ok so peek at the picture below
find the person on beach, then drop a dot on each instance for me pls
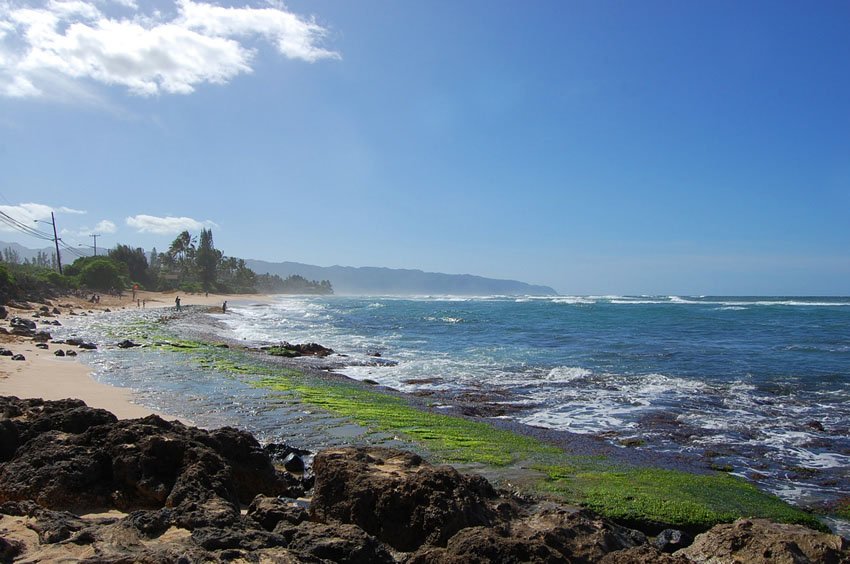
(177, 302)
(224, 307)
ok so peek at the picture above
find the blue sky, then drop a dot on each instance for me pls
(597, 147)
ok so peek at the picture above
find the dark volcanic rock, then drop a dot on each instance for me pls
(484, 544)
(127, 344)
(269, 511)
(183, 487)
(69, 456)
(671, 540)
(41, 337)
(334, 543)
(18, 357)
(20, 322)
(397, 497)
(762, 541)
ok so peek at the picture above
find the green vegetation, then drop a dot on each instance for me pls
(295, 284)
(453, 439)
(186, 266)
(695, 502)
(283, 351)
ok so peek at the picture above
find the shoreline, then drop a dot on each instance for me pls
(46, 376)
(342, 405)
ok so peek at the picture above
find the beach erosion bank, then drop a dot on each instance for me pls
(326, 393)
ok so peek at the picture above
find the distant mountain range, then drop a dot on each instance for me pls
(370, 280)
(367, 280)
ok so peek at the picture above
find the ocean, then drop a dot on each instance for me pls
(756, 386)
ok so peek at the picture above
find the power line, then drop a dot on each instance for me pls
(23, 228)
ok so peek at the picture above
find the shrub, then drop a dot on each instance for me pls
(101, 274)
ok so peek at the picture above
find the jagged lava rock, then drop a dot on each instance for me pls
(761, 541)
(397, 497)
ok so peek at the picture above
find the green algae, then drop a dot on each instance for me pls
(282, 351)
(695, 502)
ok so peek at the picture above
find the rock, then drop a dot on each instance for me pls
(19, 305)
(307, 349)
(279, 451)
(4, 313)
(339, 543)
(60, 352)
(41, 337)
(56, 311)
(70, 353)
(483, 544)
(56, 323)
(88, 346)
(51, 526)
(815, 425)
(20, 322)
(642, 554)
(540, 533)
(22, 327)
(44, 309)
(294, 463)
(19, 357)
(269, 511)
(762, 541)
(397, 497)
(671, 540)
(72, 456)
(42, 346)
(10, 549)
(127, 344)
(6, 352)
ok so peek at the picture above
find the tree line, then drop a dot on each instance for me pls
(190, 264)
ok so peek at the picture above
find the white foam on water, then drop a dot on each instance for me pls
(574, 300)
(566, 374)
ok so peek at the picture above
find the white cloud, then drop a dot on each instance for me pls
(166, 225)
(145, 53)
(29, 213)
(63, 209)
(105, 226)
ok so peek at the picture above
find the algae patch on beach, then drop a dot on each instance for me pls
(452, 439)
(633, 494)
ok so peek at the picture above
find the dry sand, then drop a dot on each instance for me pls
(44, 375)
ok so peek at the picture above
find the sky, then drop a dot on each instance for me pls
(598, 147)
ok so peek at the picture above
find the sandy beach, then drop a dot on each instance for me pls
(44, 375)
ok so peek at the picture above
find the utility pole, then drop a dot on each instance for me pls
(56, 242)
(95, 243)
